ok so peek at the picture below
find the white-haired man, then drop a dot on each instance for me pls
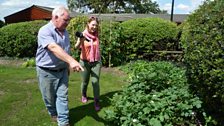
(53, 64)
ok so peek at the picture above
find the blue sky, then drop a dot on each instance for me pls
(8, 7)
(180, 6)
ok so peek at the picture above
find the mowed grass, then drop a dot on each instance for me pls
(21, 102)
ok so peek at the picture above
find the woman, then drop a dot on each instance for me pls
(90, 60)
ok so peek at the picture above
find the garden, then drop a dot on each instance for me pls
(142, 84)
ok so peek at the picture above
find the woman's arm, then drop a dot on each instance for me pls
(78, 43)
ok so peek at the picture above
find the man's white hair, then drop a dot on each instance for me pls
(59, 11)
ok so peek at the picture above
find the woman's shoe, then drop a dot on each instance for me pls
(84, 99)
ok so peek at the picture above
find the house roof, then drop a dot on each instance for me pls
(45, 8)
(178, 18)
(42, 7)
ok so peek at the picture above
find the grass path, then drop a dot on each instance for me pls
(21, 103)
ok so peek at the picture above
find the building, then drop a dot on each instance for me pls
(177, 18)
(29, 14)
(36, 12)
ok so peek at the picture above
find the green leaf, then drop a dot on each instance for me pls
(155, 122)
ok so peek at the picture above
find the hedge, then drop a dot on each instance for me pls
(20, 39)
(203, 44)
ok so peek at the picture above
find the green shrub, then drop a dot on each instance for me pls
(143, 35)
(76, 24)
(19, 39)
(110, 38)
(160, 75)
(29, 63)
(203, 44)
(157, 95)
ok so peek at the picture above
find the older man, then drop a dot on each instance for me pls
(53, 64)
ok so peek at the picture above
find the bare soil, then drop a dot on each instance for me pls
(19, 62)
(11, 61)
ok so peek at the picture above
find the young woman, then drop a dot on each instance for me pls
(90, 60)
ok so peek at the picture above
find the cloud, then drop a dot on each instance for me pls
(19, 3)
(195, 4)
(167, 7)
(183, 7)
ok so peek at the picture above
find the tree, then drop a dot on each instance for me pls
(76, 5)
(115, 6)
(1, 23)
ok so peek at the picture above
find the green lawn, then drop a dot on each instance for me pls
(21, 103)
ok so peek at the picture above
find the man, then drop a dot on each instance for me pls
(53, 64)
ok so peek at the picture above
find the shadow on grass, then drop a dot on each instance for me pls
(78, 113)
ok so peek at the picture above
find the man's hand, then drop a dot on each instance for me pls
(75, 66)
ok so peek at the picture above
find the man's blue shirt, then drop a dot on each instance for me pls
(44, 57)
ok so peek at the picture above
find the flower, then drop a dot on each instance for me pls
(134, 120)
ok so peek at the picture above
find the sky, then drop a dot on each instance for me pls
(8, 7)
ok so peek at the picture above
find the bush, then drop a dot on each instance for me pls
(111, 48)
(76, 24)
(157, 95)
(143, 35)
(29, 63)
(20, 39)
(203, 44)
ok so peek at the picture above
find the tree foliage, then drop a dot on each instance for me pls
(1, 23)
(115, 6)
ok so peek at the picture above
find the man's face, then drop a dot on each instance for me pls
(62, 21)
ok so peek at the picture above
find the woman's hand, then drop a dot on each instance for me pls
(79, 42)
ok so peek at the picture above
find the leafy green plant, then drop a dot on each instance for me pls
(158, 95)
(29, 63)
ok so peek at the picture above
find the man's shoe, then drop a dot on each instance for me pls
(54, 118)
(84, 99)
